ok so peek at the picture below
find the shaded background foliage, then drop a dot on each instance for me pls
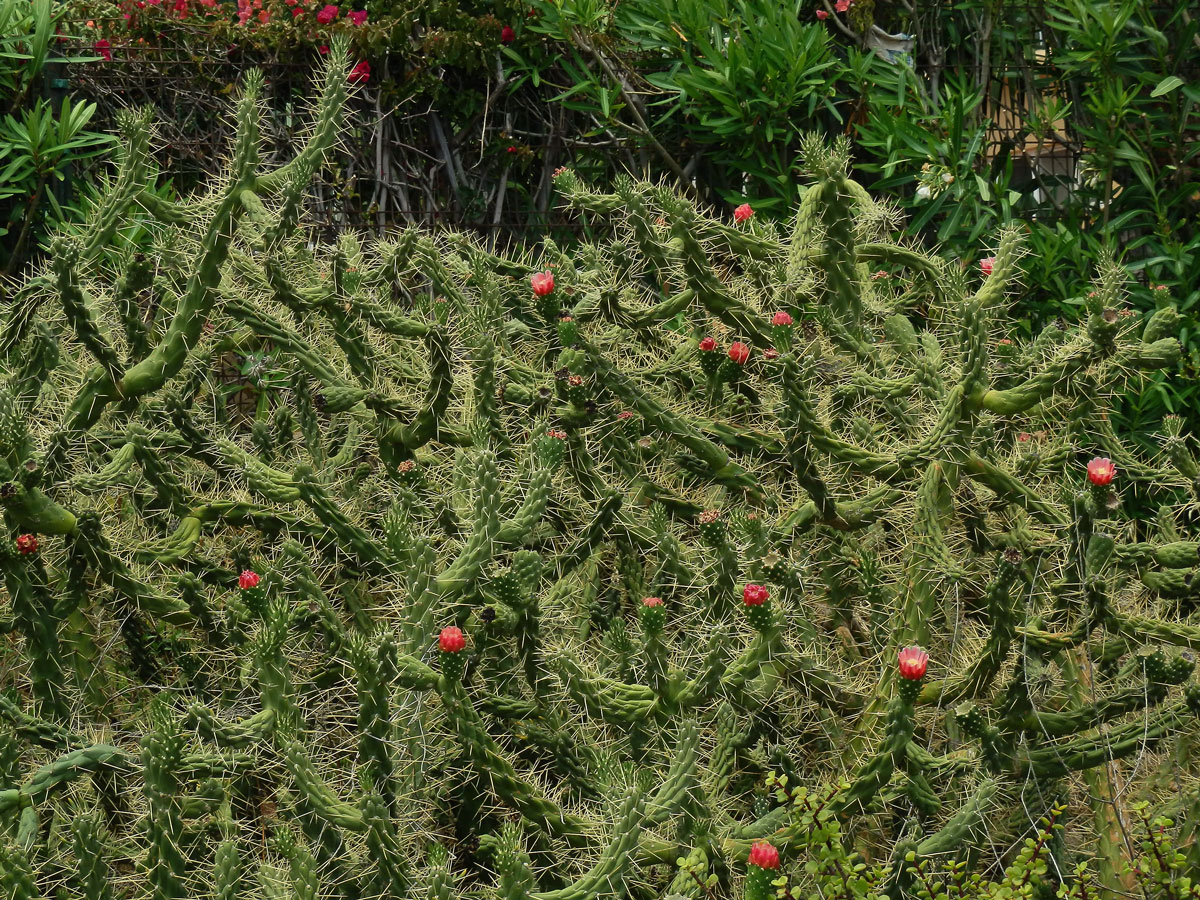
(1076, 118)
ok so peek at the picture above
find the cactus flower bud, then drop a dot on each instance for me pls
(781, 330)
(26, 544)
(758, 612)
(913, 661)
(710, 359)
(764, 855)
(1101, 471)
(248, 579)
(653, 615)
(451, 643)
(760, 871)
(542, 282)
(568, 331)
(739, 352)
(755, 595)
(742, 213)
(986, 265)
(451, 640)
(711, 528)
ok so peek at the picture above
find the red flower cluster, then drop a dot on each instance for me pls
(248, 579)
(742, 213)
(26, 544)
(507, 35)
(555, 433)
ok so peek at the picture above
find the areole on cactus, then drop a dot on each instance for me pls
(436, 449)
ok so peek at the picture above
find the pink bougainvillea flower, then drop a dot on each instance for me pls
(361, 72)
(104, 48)
(507, 35)
(913, 661)
(822, 15)
(358, 17)
(1101, 471)
(742, 213)
(842, 5)
(327, 14)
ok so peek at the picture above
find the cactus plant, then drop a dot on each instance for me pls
(453, 609)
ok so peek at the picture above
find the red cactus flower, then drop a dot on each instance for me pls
(652, 601)
(781, 318)
(755, 595)
(764, 855)
(451, 640)
(739, 352)
(624, 415)
(327, 14)
(986, 265)
(1101, 471)
(507, 35)
(542, 282)
(26, 544)
(555, 433)
(708, 345)
(913, 661)
(1024, 437)
(248, 579)
(822, 15)
(358, 17)
(771, 353)
(104, 48)
(742, 213)
(361, 72)
(323, 49)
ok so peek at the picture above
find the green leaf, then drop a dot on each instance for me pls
(1167, 85)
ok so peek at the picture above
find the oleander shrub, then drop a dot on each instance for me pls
(711, 555)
